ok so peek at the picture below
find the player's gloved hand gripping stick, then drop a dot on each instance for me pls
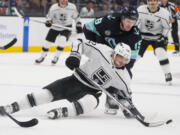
(132, 109)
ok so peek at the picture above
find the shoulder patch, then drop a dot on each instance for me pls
(136, 31)
(107, 32)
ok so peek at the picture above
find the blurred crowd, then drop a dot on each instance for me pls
(87, 8)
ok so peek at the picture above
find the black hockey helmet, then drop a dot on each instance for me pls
(129, 12)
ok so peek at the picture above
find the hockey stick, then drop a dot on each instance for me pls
(37, 21)
(55, 25)
(132, 110)
(29, 123)
(11, 43)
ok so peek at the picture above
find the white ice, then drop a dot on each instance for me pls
(19, 76)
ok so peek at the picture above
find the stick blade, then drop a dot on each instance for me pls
(11, 43)
(29, 123)
(160, 123)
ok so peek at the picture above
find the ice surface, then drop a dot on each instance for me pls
(19, 76)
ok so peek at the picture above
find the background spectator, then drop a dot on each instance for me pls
(114, 6)
(19, 5)
(87, 7)
(141, 3)
(125, 3)
(133, 2)
(34, 8)
(88, 11)
(103, 10)
(2, 11)
(3, 7)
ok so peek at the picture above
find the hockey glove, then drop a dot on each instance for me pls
(163, 40)
(122, 97)
(119, 94)
(73, 61)
(79, 27)
(48, 23)
(2, 110)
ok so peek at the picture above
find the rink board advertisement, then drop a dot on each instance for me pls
(31, 35)
(11, 27)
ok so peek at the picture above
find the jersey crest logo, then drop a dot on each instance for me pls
(107, 32)
(149, 24)
(101, 76)
(61, 17)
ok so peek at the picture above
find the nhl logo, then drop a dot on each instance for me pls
(107, 32)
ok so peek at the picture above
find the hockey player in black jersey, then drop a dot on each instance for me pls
(171, 7)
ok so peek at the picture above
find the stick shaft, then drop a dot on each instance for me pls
(38, 21)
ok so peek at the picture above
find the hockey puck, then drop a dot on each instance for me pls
(169, 121)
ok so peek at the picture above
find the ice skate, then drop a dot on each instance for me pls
(168, 78)
(14, 107)
(39, 60)
(55, 60)
(110, 107)
(176, 53)
(57, 113)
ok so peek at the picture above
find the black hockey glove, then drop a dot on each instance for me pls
(119, 94)
(73, 62)
(48, 23)
(2, 109)
(163, 40)
(79, 27)
(123, 98)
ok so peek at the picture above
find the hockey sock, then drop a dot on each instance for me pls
(59, 50)
(84, 105)
(45, 48)
(34, 99)
(163, 59)
(62, 40)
